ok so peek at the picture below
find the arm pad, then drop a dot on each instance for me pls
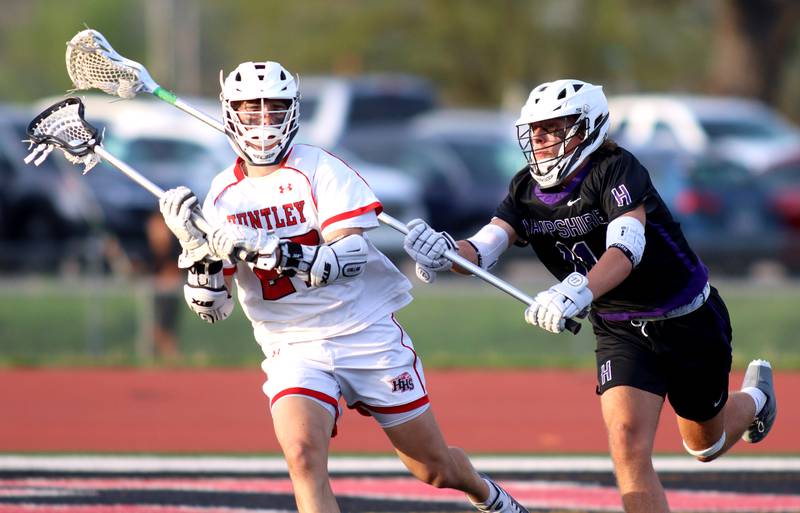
(489, 243)
(626, 234)
(342, 259)
(205, 292)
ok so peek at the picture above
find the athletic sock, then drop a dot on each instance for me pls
(759, 397)
(493, 493)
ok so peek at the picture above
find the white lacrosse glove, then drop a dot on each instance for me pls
(176, 207)
(260, 245)
(552, 307)
(427, 246)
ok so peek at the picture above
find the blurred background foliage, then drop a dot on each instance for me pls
(477, 53)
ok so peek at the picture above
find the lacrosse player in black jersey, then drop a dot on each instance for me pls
(588, 209)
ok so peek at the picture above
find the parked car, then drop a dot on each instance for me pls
(334, 108)
(44, 210)
(463, 160)
(722, 207)
(782, 182)
(738, 129)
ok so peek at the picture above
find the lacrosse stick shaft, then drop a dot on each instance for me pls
(488, 277)
(172, 99)
(158, 192)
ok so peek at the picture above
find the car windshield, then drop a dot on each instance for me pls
(489, 161)
(383, 108)
(308, 109)
(751, 129)
(785, 176)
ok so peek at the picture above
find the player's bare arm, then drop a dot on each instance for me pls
(342, 233)
(615, 265)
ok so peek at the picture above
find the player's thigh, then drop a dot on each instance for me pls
(302, 424)
(631, 418)
(381, 375)
(626, 356)
(699, 363)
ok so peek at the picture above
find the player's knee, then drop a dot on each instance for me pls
(436, 473)
(303, 458)
(708, 454)
(628, 443)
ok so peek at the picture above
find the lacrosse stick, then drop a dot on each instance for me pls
(62, 126)
(93, 63)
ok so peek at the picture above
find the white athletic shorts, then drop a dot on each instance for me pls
(376, 371)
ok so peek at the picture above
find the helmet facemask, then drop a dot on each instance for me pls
(575, 115)
(261, 110)
(572, 128)
(261, 128)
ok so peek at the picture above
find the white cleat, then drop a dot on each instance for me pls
(504, 503)
(759, 375)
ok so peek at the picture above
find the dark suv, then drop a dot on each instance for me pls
(45, 209)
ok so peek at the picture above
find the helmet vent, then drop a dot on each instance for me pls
(562, 94)
(283, 75)
(577, 87)
(238, 77)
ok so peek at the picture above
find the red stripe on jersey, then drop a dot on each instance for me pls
(229, 271)
(340, 159)
(376, 206)
(238, 173)
(364, 409)
(310, 189)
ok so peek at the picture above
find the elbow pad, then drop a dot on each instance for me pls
(627, 234)
(343, 259)
(205, 292)
(489, 243)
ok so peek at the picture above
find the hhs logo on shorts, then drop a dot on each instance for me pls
(402, 383)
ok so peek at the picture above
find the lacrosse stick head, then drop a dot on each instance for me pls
(93, 63)
(62, 126)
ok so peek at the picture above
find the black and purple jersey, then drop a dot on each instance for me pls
(566, 227)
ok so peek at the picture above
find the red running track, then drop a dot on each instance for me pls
(224, 411)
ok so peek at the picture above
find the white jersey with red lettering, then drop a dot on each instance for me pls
(312, 194)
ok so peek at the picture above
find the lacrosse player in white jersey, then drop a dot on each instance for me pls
(320, 297)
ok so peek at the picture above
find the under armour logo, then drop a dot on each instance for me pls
(288, 187)
(621, 195)
(605, 372)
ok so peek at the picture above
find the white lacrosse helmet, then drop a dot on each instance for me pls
(261, 143)
(561, 99)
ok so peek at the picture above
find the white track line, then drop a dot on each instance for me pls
(373, 465)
